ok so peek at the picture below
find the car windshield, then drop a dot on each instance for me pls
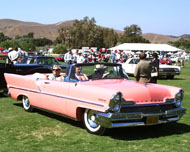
(97, 71)
(40, 60)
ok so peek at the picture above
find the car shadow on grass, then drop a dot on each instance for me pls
(164, 78)
(145, 132)
(55, 116)
(127, 133)
(2, 95)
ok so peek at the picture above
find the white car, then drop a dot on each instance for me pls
(164, 70)
(174, 59)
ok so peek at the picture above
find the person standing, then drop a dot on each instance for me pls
(143, 69)
(68, 57)
(75, 56)
(86, 58)
(112, 56)
(13, 55)
(80, 57)
(155, 68)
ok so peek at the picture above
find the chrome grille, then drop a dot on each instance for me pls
(169, 70)
(157, 108)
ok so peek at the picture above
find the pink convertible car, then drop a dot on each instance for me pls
(107, 98)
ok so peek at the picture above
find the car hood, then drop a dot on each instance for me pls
(140, 93)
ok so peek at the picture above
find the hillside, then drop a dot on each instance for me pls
(13, 28)
(157, 38)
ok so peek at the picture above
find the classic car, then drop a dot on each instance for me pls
(60, 58)
(169, 71)
(28, 65)
(105, 100)
(166, 60)
(174, 59)
(2, 55)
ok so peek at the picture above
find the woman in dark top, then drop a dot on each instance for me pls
(155, 68)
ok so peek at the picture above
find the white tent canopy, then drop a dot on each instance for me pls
(145, 47)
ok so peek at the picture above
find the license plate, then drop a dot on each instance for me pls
(152, 120)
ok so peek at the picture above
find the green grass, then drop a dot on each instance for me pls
(39, 131)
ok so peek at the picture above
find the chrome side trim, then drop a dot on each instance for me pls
(59, 96)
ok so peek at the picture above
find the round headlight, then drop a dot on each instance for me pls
(179, 98)
(115, 102)
(116, 108)
(176, 70)
(116, 98)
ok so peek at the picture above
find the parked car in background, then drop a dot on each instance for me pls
(60, 58)
(174, 59)
(105, 99)
(166, 60)
(28, 65)
(168, 71)
(3, 55)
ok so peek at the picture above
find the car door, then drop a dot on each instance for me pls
(131, 66)
(54, 95)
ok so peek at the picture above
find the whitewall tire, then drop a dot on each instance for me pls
(90, 123)
(26, 104)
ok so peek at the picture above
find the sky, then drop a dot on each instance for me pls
(167, 17)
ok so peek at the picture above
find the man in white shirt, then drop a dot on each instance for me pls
(80, 57)
(68, 57)
(13, 55)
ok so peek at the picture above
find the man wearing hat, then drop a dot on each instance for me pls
(80, 57)
(98, 72)
(13, 55)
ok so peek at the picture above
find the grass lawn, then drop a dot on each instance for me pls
(40, 131)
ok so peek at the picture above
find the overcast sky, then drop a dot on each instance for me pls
(167, 17)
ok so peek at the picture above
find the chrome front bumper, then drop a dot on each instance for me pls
(114, 120)
(168, 73)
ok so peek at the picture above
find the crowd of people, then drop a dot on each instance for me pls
(86, 57)
(14, 54)
(92, 57)
(145, 71)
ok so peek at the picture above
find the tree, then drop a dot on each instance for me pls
(28, 46)
(110, 37)
(132, 30)
(132, 34)
(5, 44)
(3, 37)
(182, 44)
(60, 49)
(64, 35)
(29, 35)
(86, 33)
(42, 42)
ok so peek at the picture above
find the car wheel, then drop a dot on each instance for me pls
(26, 104)
(170, 76)
(90, 123)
